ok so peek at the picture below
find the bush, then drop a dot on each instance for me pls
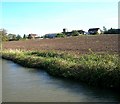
(75, 33)
(60, 35)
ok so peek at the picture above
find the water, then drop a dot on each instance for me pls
(29, 85)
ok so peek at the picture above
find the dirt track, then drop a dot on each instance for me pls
(81, 44)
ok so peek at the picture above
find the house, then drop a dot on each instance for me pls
(65, 32)
(70, 33)
(81, 31)
(51, 35)
(94, 31)
(32, 36)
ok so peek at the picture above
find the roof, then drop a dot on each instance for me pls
(93, 29)
(80, 30)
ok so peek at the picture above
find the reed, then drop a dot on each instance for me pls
(101, 70)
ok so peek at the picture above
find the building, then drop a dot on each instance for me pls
(65, 32)
(94, 31)
(32, 36)
(51, 35)
(70, 33)
(81, 31)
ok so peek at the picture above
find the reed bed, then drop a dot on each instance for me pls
(100, 70)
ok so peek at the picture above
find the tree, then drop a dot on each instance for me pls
(11, 37)
(29, 36)
(104, 29)
(14, 37)
(18, 37)
(3, 34)
(112, 31)
(60, 35)
(3, 31)
(75, 33)
(24, 36)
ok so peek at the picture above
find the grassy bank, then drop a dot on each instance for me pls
(101, 70)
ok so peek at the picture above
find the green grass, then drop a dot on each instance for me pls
(101, 70)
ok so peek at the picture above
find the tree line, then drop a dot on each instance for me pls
(13, 37)
(111, 31)
(10, 37)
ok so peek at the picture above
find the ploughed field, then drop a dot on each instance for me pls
(100, 70)
(80, 44)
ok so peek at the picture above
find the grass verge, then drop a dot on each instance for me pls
(100, 70)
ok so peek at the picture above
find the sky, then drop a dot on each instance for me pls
(51, 17)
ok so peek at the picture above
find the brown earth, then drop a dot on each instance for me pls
(79, 44)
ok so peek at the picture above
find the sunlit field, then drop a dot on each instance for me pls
(90, 59)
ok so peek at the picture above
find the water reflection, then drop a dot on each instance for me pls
(29, 85)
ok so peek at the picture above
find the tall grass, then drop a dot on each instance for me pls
(101, 70)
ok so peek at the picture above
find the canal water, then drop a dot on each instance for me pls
(22, 84)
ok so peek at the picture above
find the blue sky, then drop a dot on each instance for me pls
(51, 17)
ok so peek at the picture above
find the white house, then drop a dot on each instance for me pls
(94, 31)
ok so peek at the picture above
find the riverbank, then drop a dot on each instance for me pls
(100, 70)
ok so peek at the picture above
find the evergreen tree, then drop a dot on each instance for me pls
(24, 36)
(18, 37)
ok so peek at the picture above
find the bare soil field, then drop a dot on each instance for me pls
(79, 44)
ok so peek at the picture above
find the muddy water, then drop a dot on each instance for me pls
(29, 85)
